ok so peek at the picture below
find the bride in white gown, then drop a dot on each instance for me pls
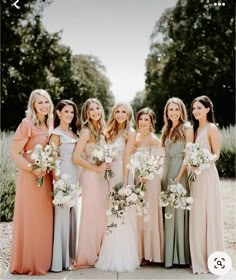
(119, 251)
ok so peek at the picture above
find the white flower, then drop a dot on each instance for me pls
(168, 215)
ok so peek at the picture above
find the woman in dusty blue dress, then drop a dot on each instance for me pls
(175, 135)
(65, 220)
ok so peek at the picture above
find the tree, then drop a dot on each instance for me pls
(89, 72)
(189, 61)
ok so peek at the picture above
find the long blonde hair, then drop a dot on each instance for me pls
(178, 132)
(112, 124)
(86, 121)
(31, 112)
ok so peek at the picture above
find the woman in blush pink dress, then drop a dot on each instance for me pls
(33, 213)
(94, 187)
(119, 252)
(206, 221)
(150, 233)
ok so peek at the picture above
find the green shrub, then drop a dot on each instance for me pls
(226, 163)
(7, 179)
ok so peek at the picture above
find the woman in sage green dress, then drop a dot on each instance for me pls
(175, 135)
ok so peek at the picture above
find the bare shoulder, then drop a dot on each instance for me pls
(155, 141)
(213, 129)
(131, 131)
(84, 133)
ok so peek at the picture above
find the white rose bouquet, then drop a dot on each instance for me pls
(104, 153)
(145, 166)
(64, 192)
(176, 197)
(122, 198)
(46, 159)
(198, 157)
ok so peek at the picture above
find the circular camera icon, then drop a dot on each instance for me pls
(219, 263)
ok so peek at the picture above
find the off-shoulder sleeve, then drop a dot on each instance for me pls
(24, 130)
(59, 133)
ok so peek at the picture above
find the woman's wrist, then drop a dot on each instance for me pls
(30, 167)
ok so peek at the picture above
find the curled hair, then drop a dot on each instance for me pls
(74, 125)
(151, 114)
(112, 124)
(178, 132)
(31, 112)
(207, 103)
(86, 121)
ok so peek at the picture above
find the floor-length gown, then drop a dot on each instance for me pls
(176, 228)
(33, 213)
(65, 218)
(150, 233)
(93, 220)
(119, 251)
(206, 221)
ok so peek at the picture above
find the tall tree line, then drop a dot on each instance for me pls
(192, 53)
(34, 58)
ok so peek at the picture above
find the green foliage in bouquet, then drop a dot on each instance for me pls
(7, 179)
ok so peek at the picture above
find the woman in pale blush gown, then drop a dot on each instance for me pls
(206, 221)
(177, 132)
(150, 233)
(95, 189)
(119, 252)
(64, 135)
(31, 251)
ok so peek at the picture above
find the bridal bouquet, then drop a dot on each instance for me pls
(145, 166)
(64, 192)
(176, 197)
(46, 159)
(104, 153)
(122, 198)
(199, 157)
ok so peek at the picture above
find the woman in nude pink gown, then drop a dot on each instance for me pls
(94, 187)
(33, 213)
(150, 233)
(206, 221)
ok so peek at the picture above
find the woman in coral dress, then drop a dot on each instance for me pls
(65, 218)
(94, 187)
(177, 132)
(33, 213)
(119, 251)
(150, 233)
(206, 219)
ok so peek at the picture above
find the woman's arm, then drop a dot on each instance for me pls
(127, 154)
(78, 151)
(215, 140)
(189, 136)
(17, 148)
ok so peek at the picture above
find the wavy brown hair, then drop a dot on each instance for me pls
(112, 124)
(178, 132)
(74, 125)
(150, 113)
(95, 133)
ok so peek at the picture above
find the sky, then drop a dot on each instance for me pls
(116, 31)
